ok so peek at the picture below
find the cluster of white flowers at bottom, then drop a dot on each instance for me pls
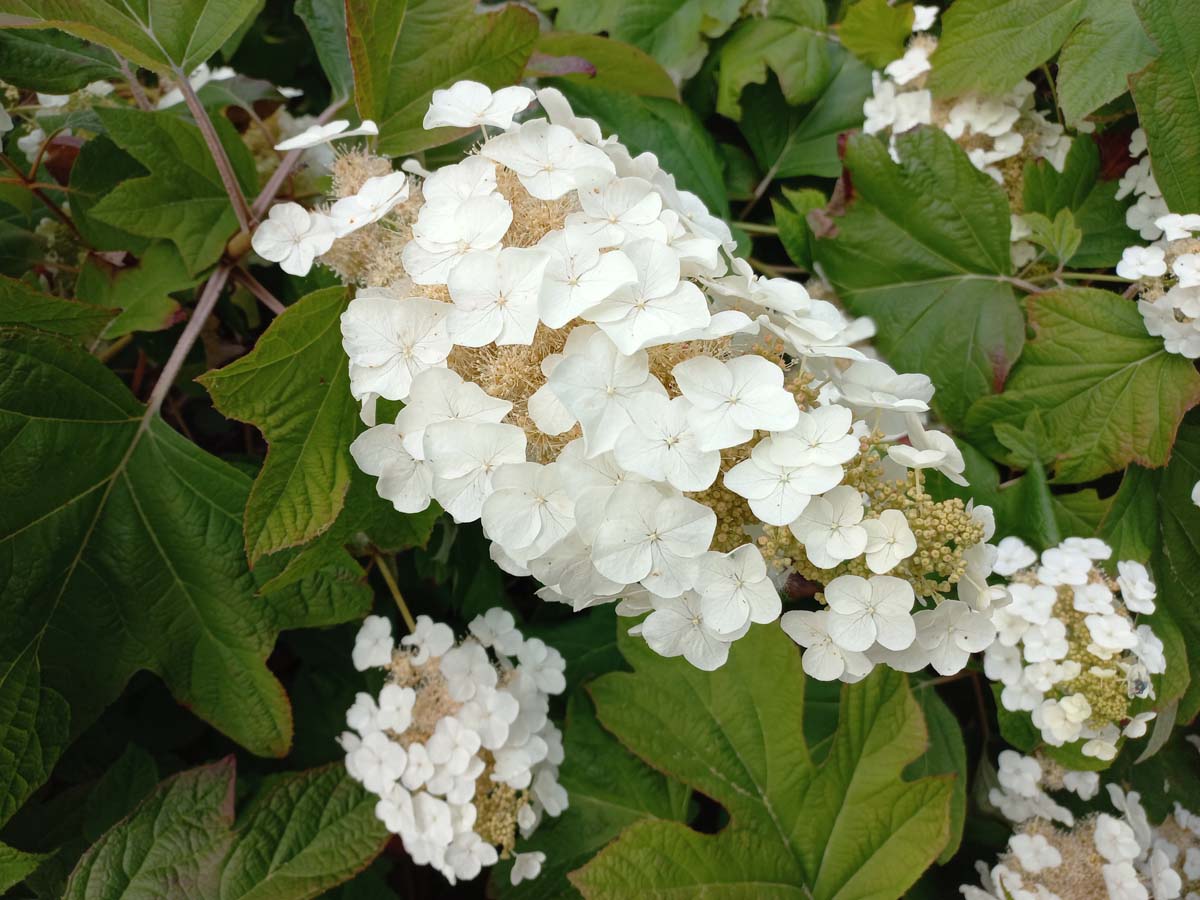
(1122, 857)
(1068, 649)
(634, 415)
(458, 745)
(1167, 271)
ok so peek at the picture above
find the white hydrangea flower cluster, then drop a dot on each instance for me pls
(1121, 857)
(633, 414)
(1068, 649)
(992, 130)
(1167, 271)
(458, 745)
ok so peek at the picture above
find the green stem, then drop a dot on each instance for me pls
(396, 595)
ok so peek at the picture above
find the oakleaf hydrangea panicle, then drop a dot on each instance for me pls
(457, 745)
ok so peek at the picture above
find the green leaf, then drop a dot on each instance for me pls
(790, 218)
(1167, 96)
(129, 557)
(304, 833)
(610, 789)
(17, 865)
(1108, 392)
(53, 62)
(586, 639)
(326, 24)
(142, 289)
(619, 66)
(1130, 524)
(1097, 211)
(1177, 558)
(19, 249)
(875, 32)
(670, 130)
(797, 52)
(125, 784)
(1061, 237)
(990, 45)
(851, 827)
(21, 304)
(294, 387)
(1106, 47)
(182, 198)
(672, 31)
(157, 34)
(100, 167)
(922, 249)
(402, 52)
(947, 754)
(789, 141)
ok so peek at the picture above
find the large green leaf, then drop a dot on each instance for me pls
(669, 130)
(1094, 205)
(303, 834)
(789, 141)
(21, 304)
(326, 24)
(609, 790)
(796, 50)
(17, 865)
(875, 31)
(157, 34)
(850, 827)
(141, 289)
(1107, 46)
(1108, 393)
(618, 66)
(122, 551)
(923, 249)
(99, 168)
(1167, 95)
(672, 31)
(402, 52)
(990, 45)
(53, 62)
(295, 388)
(1177, 558)
(182, 198)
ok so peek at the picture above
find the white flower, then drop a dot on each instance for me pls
(1033, 603)
(1014, 554)
(441, 395)
(1137, 589)
(924, 17)
(656, 304)
(1085, 785)
(395, 708)
(1115, 840)
(545, 157)
(544, 665)
(496, 296)
(403, 479)
(1064, 566)
(578, 276)
(321, 134)
(1093, 597)
(465, 668)
(1034, 852)
(390, 341)
(1137, 726)
(951, 632)
(597, 384)
(468, 104)
(889, 541)
(464, 456)
(447, 231)
(1186, 269)
(661, 444)
(822, 437)
(529, 510)
(1061, 721)
(430, 639)
(380, 761)
(863, 612)
(677, 627)
(734, 589)
(526, 866)
(293, 237)
(489, 713)
(1093, 548)
(1150, 650)
(1020, 774)
(497, 629)
(466, 856)
(1142, 262)
(450, 185)
(829, 527)
(559, 111)
(653, 539)
(1110, 633)
(732, 399)
(929, 450)
(1195, 495)
(877, 393)
(374, 200)
(1046, 642)
(373, 645)
(779, 493)
(913, 63)
(1164, 880)
(823, 659)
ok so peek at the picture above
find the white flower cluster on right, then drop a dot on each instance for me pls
(1120, 857)
(458, 745)
(1167, 270)
(1068, 649)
